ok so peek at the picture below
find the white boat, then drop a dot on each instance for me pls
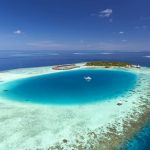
(138, 66)
(88, 78)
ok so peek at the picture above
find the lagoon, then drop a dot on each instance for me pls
(70, 87)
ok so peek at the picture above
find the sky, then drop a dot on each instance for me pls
(75, 25)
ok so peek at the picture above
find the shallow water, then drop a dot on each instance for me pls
(70, 87)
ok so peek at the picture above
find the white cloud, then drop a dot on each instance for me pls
(18, 32)
(105, 13)
(121, 32)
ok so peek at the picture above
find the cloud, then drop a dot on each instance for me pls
(121, 32)
(147, 56)
(143, 27)
(105, 13)
(124, 40)
(18, 32)
(45, 44)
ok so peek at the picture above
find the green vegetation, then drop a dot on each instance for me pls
(108, 64)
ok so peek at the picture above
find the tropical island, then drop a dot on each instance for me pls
(108, 64)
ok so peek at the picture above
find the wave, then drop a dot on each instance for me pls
(106, 53)
(92, 53)
(147, 56)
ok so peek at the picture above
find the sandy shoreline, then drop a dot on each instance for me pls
(93, 126)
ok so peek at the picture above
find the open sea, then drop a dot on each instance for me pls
(24, 58)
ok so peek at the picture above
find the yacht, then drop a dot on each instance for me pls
(88, 78)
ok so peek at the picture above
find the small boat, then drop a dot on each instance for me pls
(88, 78)
(138, 66)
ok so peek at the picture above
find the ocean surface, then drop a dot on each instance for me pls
(141, 141)
(20, 59)
(71, 87)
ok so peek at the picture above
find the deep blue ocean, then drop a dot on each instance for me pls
(20, 59)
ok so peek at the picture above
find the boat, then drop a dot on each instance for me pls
(88, 78)
(138, 66)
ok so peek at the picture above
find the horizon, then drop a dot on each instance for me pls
(84, 50)
(75, 25)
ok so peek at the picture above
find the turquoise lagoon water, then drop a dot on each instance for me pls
(70, 87)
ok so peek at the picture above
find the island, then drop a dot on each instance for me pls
(108, 64)
(65, 67)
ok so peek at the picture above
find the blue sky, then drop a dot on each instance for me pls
(75, 25)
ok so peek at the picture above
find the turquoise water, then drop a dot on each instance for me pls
(70, 87)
